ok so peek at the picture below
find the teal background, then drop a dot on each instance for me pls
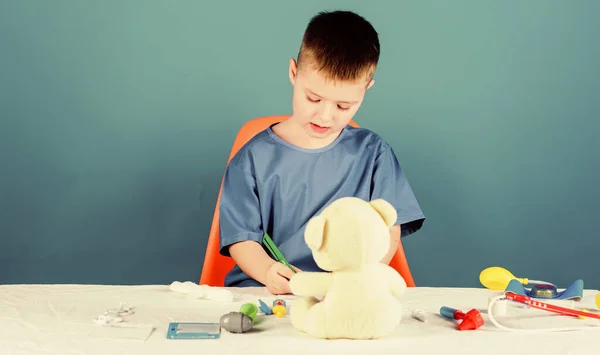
(117, 118)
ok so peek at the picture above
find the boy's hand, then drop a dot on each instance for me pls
(278, 278)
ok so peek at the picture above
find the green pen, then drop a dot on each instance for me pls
(275, 252)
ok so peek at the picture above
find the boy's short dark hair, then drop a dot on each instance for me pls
(341, 44)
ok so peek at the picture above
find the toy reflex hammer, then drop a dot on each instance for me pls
(470, 321)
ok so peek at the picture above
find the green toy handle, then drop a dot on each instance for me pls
(249, 309)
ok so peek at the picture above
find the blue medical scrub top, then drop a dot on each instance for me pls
(275, 187)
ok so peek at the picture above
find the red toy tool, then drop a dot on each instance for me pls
(470, 321)
(549, 307)
(534, 303)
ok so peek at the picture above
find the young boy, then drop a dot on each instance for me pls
(292, 170)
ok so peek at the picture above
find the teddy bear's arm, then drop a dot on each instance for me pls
(310, 284)
(396, 282)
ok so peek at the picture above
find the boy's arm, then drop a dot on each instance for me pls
(252, 259)
(394, 242)
(240, 223)
(390, 183)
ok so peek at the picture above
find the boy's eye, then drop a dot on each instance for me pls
(312, 100)
(343, 108)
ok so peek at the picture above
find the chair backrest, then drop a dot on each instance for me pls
(216, 266)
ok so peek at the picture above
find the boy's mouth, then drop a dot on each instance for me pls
(318, 129)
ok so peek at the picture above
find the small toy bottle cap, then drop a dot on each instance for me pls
(419, 315)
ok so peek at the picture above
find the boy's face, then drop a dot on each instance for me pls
(321, 106)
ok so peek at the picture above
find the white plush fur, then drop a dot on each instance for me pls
(348, 239)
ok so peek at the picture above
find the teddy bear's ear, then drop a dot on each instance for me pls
(315, 232)
(386, 211)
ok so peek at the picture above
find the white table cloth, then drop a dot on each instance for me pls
(57, 319)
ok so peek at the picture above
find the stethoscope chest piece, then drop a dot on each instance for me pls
(544, 291)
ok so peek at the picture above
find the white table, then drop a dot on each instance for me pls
(57, 319)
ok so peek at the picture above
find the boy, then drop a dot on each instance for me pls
(292, 170)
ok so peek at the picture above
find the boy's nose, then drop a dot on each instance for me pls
(325, 114)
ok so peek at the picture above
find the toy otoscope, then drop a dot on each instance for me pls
(470, 321)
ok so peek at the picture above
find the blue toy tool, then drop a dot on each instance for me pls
(264, 308)
(547, 291)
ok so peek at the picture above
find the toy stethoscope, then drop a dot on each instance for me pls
(497, 278)
(545, 307)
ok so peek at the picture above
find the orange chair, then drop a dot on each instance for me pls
(217, 266)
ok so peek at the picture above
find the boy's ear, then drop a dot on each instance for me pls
(293, 71)
(371, 83)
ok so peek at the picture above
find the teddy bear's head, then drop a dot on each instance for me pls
(350, 232)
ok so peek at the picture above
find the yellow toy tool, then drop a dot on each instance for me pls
(497, 278)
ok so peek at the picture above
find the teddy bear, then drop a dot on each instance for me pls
(359, 294)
